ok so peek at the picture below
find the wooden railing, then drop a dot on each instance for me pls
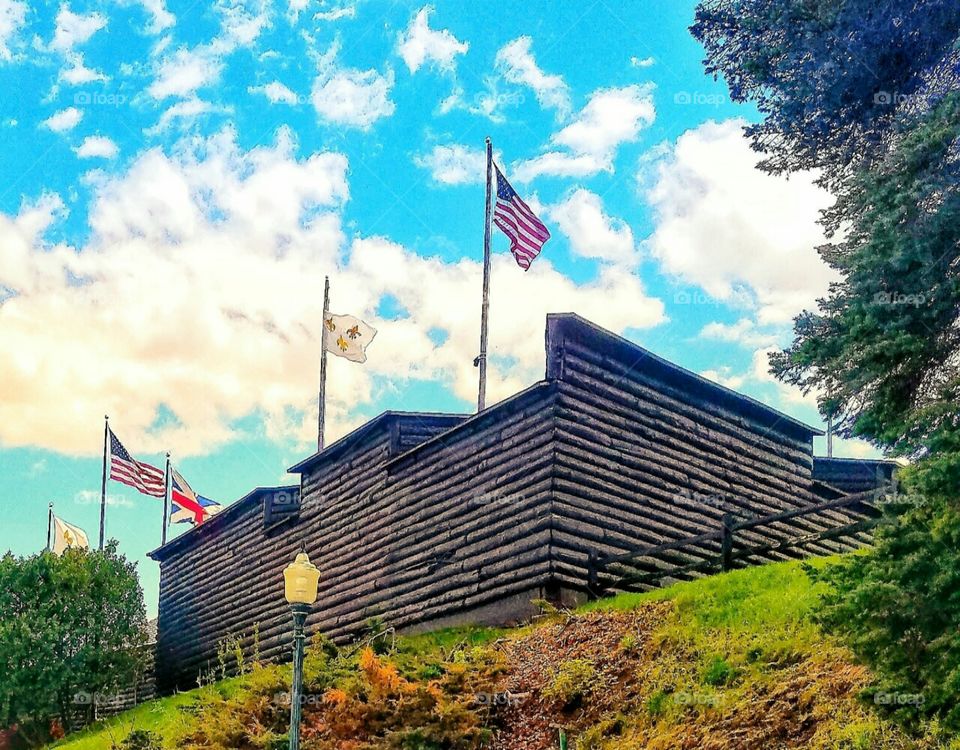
(625, 571)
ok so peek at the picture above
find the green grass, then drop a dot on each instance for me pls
(728, 632)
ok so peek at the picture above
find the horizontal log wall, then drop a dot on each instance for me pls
(462, 523)
(640, 462)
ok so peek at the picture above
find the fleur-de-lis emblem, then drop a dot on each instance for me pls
(69, 538)
(342, 343)
(328, 322)
(353, 332)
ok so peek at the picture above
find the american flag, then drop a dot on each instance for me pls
(526, 232)
(142, 477)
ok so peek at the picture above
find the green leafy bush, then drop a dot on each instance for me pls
(574, 681)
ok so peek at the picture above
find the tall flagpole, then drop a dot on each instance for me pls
(103, 480)
(481, 359)
(322, 400)
(166, 501)
(49, 527)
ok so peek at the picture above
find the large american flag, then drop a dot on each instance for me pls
(142, 477)
(515, 219)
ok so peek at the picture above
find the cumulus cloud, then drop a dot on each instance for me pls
(346, 96)
(519, 66)
(348, 10)
(588, 145)
(420, 44)
(160, 17)
(591, 232)
(198, 295)
(744, 332)
(184, 72)
(183, 113)
(65, 119)
(724, 225)
(73, 29)
(13, 16)
(455, 164)
(97, 146)
(275, 92)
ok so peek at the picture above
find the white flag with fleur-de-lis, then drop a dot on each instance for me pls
(347, 336)
(66, 535)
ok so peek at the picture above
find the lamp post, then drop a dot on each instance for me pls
(300, 579)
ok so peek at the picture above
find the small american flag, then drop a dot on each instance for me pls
(526, 232)
(142, 477)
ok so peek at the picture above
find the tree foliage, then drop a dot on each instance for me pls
(70, 631)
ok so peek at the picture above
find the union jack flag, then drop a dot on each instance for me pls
(142, 477)
(515, 219)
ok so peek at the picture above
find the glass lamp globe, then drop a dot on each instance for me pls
(300, 580)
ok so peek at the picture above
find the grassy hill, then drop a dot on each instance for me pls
(731, 661)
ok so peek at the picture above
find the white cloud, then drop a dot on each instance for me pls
(76, 73)
(645, 62)
(160, 17)
(65, 119)
(184, 72)
(455, 164)
(724, 225)
(744, 332)
(97, 146)
(199, 286)
(611, 117)
(345, 96)
(724, 376)
(275, 92)
(519, 66)
(183, 112)
(73, 29)
(13, 16)
(592, 233)
(420, 44)
(334, 14)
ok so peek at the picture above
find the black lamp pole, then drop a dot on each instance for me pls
(300, 612)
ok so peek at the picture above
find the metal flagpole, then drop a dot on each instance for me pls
(49, 527)
(103, 480)
(481, 359)
(166, 501)
(322, 400)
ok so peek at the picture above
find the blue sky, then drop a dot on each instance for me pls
(178, 177)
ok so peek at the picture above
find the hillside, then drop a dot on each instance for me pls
(731, 661)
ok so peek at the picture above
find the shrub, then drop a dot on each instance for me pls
(574, 681)
(719, 672)
(140, 739)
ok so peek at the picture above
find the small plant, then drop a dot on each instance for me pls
(657, 704)
(629, 644)
(719, 672)
(575, 681)
(140, 739)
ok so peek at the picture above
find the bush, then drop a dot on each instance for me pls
(898, 606)
(140, 739)
(575, 681)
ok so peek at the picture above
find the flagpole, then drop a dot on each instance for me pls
(166, 501)
(481, 359)
(103, 479)
(322, 400)
(49, 526)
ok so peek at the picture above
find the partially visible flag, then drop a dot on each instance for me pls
(347, 336)
(66, 535)
(188, 506)
(142, 477)
(526, 232)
